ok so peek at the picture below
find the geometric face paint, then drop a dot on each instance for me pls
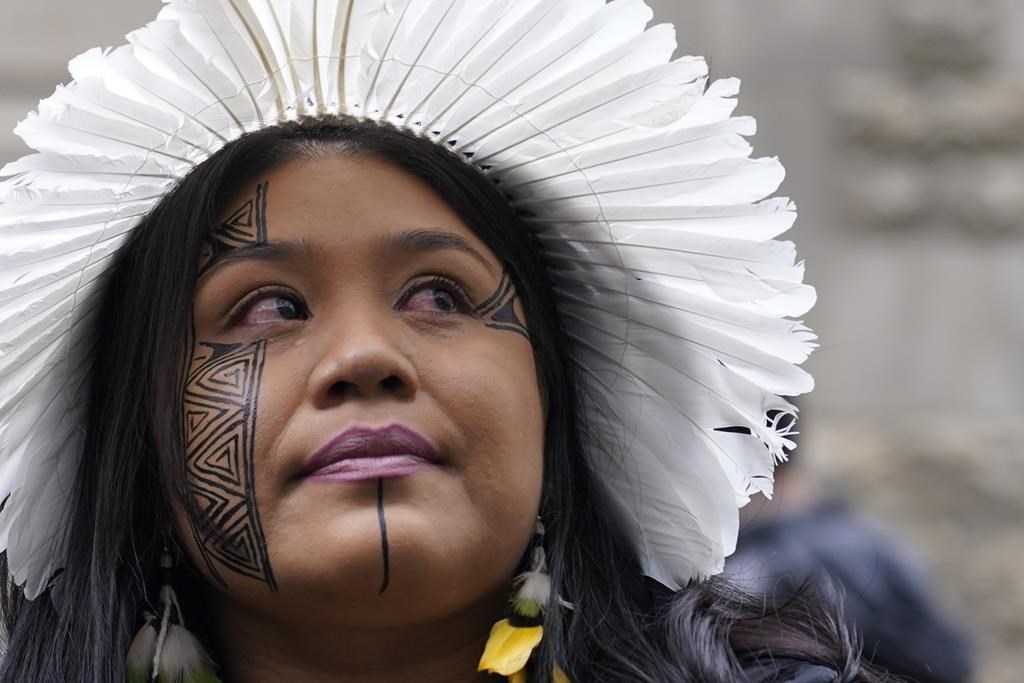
(220, 401)
(499, 309)
(220, 409)
(246, 227)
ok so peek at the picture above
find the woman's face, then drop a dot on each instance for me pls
(362, 417)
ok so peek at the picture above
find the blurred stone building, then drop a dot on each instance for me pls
(901, 123)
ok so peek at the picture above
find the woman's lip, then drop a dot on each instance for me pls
(370, 468)
(361, 453)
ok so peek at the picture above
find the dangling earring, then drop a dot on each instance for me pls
(164, 649)
(514, 638)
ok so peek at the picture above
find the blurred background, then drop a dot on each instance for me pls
(901, 123)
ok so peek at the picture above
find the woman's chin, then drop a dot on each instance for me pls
(356, 571)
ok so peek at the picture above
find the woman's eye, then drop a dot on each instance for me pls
(436, 297)
(271, 308)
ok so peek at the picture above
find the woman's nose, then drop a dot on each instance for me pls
(362, 357)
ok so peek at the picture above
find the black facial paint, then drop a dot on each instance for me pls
(499, 309)
(246, 227)
(385, 552)
(220, 400)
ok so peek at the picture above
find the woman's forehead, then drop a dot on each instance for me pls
(351, 202)
(340, 210)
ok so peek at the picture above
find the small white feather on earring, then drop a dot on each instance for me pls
(183, 659)
(139, 661)
(170, 654)
(533, 587)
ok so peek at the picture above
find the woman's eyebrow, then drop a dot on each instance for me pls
(279, 251)
(425, 240)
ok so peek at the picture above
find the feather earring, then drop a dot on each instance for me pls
(514, 638)
(164, 650)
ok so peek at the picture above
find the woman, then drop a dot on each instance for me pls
(337, 427)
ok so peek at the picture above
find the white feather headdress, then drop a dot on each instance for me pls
(652, 217)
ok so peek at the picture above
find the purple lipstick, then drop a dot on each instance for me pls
(368, 454)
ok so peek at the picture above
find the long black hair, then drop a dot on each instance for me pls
(623, 627)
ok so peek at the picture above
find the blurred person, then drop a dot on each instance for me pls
(805, 534)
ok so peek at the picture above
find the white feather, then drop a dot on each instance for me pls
(762, 221)
(140, 653)
(216, 33)
(535, 587)
(183, 657)
(564, 122)
(698, 145)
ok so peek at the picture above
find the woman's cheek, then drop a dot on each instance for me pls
(493, 397)
(221, 401)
